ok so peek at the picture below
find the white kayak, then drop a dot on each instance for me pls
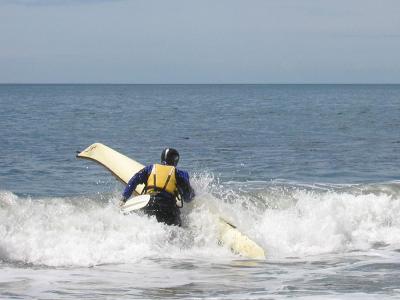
(123, 168)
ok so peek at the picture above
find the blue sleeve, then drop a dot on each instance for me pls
(139, 178)
(185, 190)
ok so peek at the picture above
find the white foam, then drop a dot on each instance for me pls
(331, 222)
(285, 220)
(62, 232)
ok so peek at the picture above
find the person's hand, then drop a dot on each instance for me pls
(122, 202)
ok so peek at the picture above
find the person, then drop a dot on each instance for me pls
(165, 184)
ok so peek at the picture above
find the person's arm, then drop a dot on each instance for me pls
(184, 187)
(139, 178)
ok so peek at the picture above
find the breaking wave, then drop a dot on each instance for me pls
(286, 219)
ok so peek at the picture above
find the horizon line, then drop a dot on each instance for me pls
(201, 83)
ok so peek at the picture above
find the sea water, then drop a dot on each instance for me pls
(310, 172)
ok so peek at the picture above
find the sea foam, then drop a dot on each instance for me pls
(285, 219)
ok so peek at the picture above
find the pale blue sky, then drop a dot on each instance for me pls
(207, 41)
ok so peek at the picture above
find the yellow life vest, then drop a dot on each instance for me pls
(162, 178)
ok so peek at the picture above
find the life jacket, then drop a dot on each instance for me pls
(162, 178)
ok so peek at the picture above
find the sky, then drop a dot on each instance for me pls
(205, 41)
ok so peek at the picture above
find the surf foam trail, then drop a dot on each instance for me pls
(90, 231)
(291, 219)
(286, 219)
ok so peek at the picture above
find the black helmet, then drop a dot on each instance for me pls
(170, 157)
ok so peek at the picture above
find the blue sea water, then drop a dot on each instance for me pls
(310, 172)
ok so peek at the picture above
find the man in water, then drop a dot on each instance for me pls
(165, 184)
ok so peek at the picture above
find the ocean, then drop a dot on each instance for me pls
(310, 172)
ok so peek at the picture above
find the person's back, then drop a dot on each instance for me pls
(166, 184)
